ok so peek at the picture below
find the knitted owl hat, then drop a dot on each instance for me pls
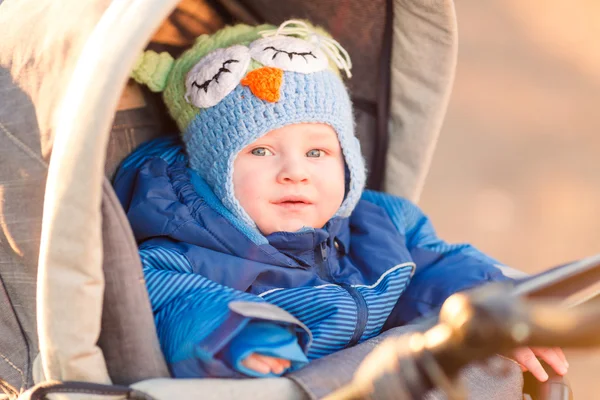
(238, 84)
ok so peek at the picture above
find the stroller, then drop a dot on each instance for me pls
(63, 66)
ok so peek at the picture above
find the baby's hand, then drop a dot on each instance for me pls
(266, 364)
(526, 357)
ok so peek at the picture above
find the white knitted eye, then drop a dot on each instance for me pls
(289, 54)
(216, 75)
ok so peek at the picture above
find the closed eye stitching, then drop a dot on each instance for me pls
(290, 53)
(215, 77)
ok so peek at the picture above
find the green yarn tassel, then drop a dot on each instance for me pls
(153, 69)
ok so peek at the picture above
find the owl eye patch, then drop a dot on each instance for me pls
(293, 30)
(215, 77)
(290, 54)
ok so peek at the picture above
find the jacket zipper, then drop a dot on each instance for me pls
(363, 314)
(361, 305)
(325, 272)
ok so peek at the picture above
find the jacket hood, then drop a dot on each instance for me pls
(165, 198)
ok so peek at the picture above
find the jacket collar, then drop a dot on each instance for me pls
(335, 234)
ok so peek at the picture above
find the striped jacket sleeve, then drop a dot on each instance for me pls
(193, 319)
(442, 269)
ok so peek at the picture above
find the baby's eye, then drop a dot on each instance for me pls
(315, 153)
(262, 152)
(289, 54)
(216, 75)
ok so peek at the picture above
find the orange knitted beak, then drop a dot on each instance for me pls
(264, 83)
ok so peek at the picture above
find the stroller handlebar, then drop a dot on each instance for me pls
(472, 326)
(488, 317)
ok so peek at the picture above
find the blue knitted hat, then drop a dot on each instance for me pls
(235, 86)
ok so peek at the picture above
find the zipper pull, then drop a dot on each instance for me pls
(324, 251)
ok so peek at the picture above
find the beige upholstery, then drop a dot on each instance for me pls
(70, 278)
(221, 389)
(423, 65)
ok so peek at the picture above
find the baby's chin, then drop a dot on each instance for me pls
(293, 225)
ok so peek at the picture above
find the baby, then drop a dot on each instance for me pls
(261, 249)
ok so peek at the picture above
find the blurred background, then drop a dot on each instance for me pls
(516, 170)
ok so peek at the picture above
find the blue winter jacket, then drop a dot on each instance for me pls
(208, 275)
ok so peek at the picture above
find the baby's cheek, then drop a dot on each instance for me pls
(334, 183)
(251, 197)
(243, 180)
(331, 199)
(246, 194)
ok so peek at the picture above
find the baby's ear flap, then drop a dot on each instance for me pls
(152, 69)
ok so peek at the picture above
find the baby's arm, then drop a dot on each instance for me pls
(444, 269)
(197, 323)
(263, 349)
(447, 269)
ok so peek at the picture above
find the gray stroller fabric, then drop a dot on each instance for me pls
(498, 379)
(128, 337)
(22, 183)
(128, 333)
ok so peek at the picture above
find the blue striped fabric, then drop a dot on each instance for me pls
(186, 298)
(329, 311)
(331, 314)
(382, 296)
(164, 147)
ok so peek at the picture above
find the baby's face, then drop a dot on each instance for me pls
(292, 177)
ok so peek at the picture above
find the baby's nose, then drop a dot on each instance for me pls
(265, 83)
(293, 171)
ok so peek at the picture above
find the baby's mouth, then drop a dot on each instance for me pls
(293, 202)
